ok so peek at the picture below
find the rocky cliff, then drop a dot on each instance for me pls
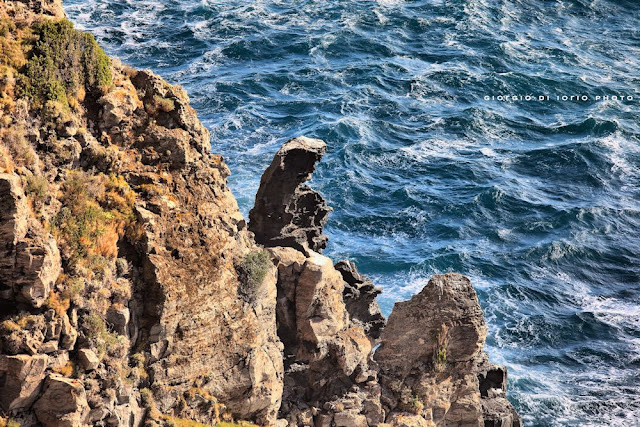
(132, 291)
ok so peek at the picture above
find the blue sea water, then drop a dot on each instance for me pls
(537, 201)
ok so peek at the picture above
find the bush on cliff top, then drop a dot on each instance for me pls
(63, 62)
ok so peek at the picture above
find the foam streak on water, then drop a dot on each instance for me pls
(537, 202)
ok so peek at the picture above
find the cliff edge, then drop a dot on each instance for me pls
(133, 292)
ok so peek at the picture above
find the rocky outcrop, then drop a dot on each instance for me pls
(21, 379)
(429, 368)
(287, 212)
(51, 8)
(360, 299)
(62, 404)
(329, 379)
(120, 264)
(431, 359)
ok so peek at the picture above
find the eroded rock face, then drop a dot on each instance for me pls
(160, 304)
(360, 298)
(329, 377)
(200, 327)
(163, 306)
(29, 259)
(286, 212)
(431, 359)
(320, 308)
(14, 211)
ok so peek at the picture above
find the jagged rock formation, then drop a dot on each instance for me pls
(429, 369)
(132, 291)
(31, 261)
(360, 299)
(287, 212)
(431, 359)
(329, 377)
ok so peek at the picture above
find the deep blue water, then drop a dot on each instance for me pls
(537, 201)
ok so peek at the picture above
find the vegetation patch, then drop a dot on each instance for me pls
(37, 188)
(58, 303)
(253, 269)
(96, 212)
(63, 62)
(66, 370)
(164, 104)
(20, 149)
(440, 353)
(8, 422)
(101, 338)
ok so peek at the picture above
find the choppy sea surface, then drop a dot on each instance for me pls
(428, 171)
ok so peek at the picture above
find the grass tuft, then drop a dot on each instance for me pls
(253, 269)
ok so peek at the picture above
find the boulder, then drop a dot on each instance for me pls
(119, 318)
(68, 334)
(88, 359)
(407, 419)
(320, 309)
(498, 412)
(21, 378)
(118, 105)
(349, 419)
(352, 349)
(286, 212)
(63, 403)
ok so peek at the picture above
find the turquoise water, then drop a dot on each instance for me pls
(537, 201)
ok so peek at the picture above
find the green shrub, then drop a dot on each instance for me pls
(102, 339)
(7, 26)
(37, 187)
(440, 352)
(253, 269)
(74, 288)
(8, 422)
(146, 398)
(164, 104)
(21, 150)
(63, 62)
